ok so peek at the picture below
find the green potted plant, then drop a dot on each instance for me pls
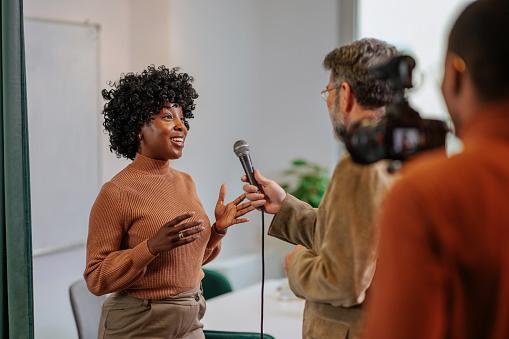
(308, 181)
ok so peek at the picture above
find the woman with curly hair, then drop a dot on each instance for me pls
(149, 234)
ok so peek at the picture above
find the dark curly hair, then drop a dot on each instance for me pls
(136, 98)
(351, 62)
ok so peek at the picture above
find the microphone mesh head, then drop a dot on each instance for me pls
(240, 147)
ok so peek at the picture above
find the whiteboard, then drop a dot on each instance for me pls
(63, 124)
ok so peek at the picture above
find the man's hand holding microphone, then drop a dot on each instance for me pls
(269, 192)
(258, 188)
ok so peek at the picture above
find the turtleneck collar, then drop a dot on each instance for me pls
(152, 166)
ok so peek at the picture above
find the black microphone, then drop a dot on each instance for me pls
(241, 149)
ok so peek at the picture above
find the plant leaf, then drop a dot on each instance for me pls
(299, 162)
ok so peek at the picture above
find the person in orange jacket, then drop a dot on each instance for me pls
(443, 268)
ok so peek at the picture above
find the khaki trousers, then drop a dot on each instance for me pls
(178, 317)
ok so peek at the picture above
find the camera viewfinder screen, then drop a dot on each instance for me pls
(405, 140)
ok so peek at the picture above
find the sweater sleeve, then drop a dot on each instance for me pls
(109, 268)
(340, 268)
(295, 223)
(213, 246)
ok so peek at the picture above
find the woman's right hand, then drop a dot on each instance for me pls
(271, 195)
(175, 233)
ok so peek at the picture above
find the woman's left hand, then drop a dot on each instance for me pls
(229, 214)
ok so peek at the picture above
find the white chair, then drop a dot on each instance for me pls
(86, 308)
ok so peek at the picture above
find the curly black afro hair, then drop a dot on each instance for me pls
(136, 98)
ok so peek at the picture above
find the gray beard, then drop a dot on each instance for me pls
(340, 131)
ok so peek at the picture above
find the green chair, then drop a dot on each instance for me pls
(214, 284)
(209, 334)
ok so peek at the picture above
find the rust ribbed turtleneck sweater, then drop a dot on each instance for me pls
(129, 209)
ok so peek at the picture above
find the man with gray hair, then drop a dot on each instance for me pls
(334, 260)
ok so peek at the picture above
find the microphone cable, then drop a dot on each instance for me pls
(241, 149)
(263, 274)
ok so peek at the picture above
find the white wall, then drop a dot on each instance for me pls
(53, 274)
(134, 34)
(114, 19)
(420, 28)
(149, 33)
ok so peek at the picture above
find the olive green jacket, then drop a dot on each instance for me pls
(335, 270)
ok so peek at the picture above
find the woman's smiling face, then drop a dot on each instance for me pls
(163, 137)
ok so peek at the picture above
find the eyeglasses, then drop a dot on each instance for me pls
(325, 92)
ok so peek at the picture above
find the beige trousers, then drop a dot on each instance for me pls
(178, 317)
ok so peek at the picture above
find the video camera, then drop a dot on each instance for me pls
(402, 132)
